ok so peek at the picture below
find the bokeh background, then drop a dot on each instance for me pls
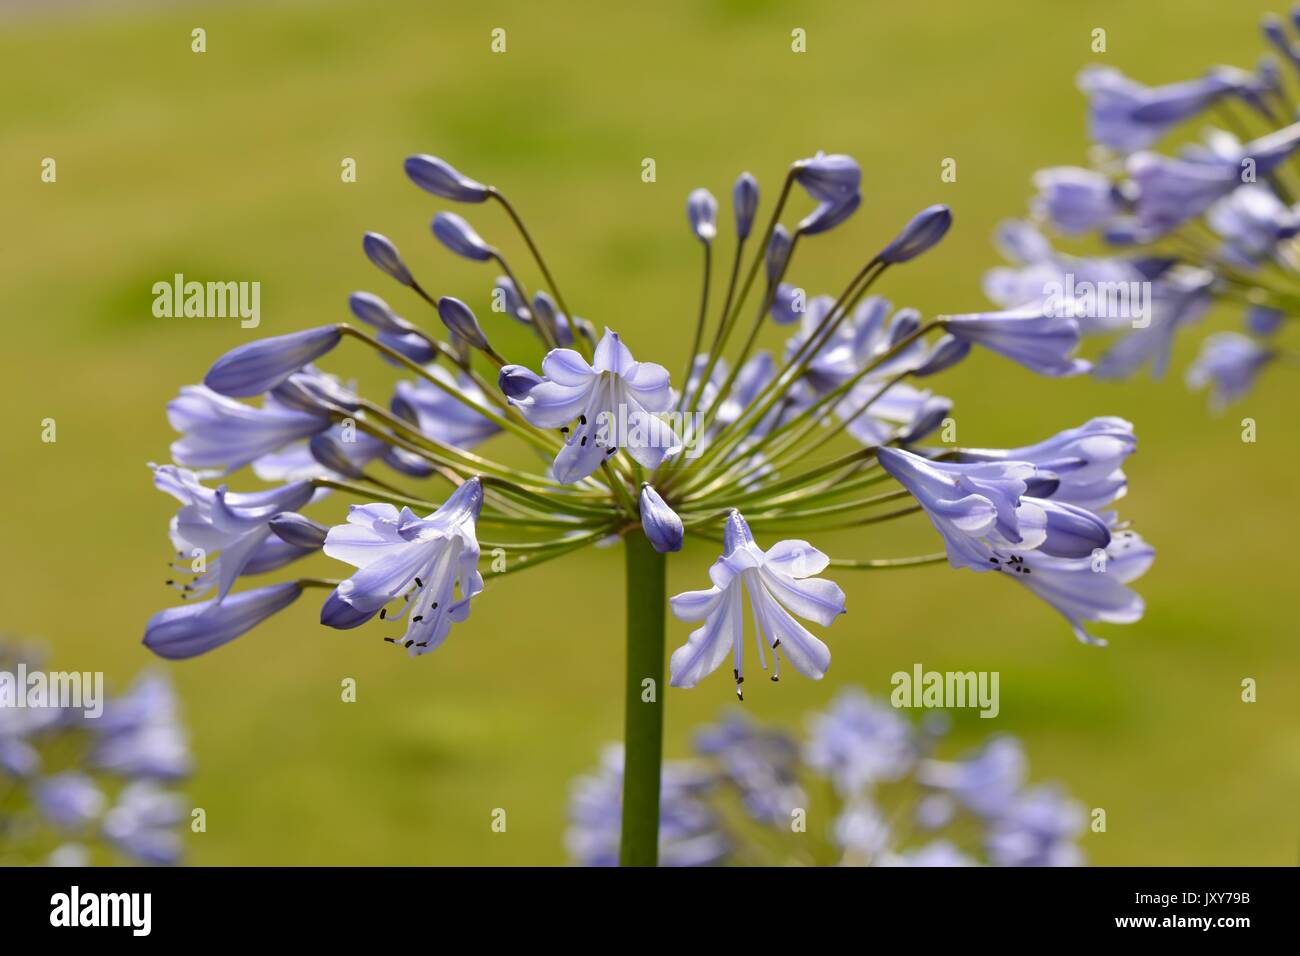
(226, 165)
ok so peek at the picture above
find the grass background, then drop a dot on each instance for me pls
(226, 165)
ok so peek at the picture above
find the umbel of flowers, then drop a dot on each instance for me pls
(1214, 222)
(865, 787)
(749, 448)
(81, 787)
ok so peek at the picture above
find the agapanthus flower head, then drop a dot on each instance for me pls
(1213, 221)
(753, 444)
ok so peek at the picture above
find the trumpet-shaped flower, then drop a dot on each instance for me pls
(217, 522)
(776, 582)
(614, 401)
(431, 562)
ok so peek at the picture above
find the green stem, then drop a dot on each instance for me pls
(644, 719)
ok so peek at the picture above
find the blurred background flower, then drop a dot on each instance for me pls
(79, 790)
(865, 786)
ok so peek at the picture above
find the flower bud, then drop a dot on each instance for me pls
(456, 315)
(386, 258)
(438, 177)
(702, 213)
(295, 529)
(921, 234)
(372, 310)
(661, 525)
(262, 365)
(778, 250)
(516, 381)
(459, 236)
(744, 198)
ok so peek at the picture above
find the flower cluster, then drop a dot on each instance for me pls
(753, 442)
(864, 788)
(1215, 223)
(77, 789)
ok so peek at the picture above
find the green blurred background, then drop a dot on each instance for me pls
(226, 165)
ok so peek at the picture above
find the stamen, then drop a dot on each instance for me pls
(419, 583)
(383, 613)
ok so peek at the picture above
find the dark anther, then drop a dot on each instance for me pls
(582, 419)
(776, 644)
(583, 443)
(171, 582)
(419, 583)
(383, 613)
(417, 619)
(391, 640)
(433, 608)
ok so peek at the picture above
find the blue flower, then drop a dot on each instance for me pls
(430, 562)
(140, 734)
(690, 831)
(217, 521)
(1127, 116)
(1087, 588)
(982, 509)
(1230, 362)
(1075, 200)
(776, 581)
(1081, 466)
(829, 178)
(1252, 221)
(1037, 829)
(762, 764)
(1040, 342)
(70, 800)
(986, 781)
(193, 629)
(614, 401)
(143, 821)
(858, 742)
(222, 433)
(441, 416)
(262, 365)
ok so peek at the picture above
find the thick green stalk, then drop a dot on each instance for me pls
(644, 716)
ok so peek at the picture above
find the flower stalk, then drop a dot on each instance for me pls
(643, 725)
